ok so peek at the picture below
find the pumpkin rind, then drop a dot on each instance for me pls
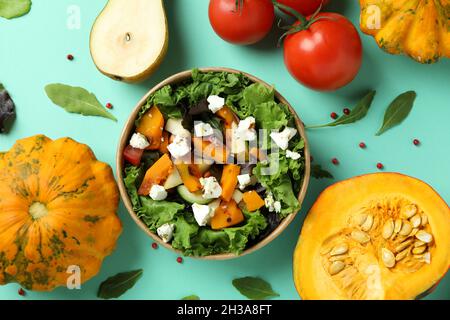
(74, 225)
(417, 28)
(329, 217)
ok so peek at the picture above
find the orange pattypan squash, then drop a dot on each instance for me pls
(57, 213)
(418, 28)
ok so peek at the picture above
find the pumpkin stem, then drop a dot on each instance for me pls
(38, 210)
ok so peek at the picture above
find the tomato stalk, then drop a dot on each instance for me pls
(304, 22)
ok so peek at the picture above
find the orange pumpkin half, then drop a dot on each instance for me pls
(57, 213)
(377, 236)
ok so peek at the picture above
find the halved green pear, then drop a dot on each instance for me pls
(129, 39)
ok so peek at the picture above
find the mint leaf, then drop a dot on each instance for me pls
(76, 100)
(397, 111)
(10, 9)
(191, 297)
(117, 285)
(318, 173)
(254, 288)
(358, 112)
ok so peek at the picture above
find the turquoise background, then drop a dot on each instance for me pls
(33, 54)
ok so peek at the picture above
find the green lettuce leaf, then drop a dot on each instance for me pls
(196, 241)
(279, 181)
(132, 175)
(156, 213)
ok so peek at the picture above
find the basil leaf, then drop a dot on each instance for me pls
(318, 173)
(358, 112)
(254, 288)
(115, 286)
(10, 9)
(76, 100)
(397, 111)
(191, 297)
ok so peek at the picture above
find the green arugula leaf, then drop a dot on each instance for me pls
(358, 112)
(115, 286)
(77, 100)
(254, 288)
(10, 9)
(318, 173)
(397, 111)
(191, 297)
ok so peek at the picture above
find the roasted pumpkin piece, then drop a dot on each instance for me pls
(229, 180)
(190, 178)
(57, 209)
(151, 125)
(218, 153)
(377, 236)
(228, 117)
(164, 142)
(418, 28)
(156, 174)
(228, 214)
(252, 200)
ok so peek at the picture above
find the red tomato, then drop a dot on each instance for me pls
(305, 7)
(246, 25)
(327, 56)
(133, 155)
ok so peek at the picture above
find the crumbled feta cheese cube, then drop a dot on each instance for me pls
(202, 129)
(211, 188)
(165, 232)
(202, 214)
(282, 138)
(293, 155)
(244, 180)
(158, 192)
(215, 103)
(277, 206)
(269, 202)
(244, 129)
(139, 141)
(180, 147)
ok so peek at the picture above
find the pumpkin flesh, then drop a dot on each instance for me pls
(336, 217)
(57, 209)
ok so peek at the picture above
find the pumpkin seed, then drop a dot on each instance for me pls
(419, 250)
(409, 211)
(406, 228)
(402, 255)
(339, 249)
(360, 236)
(367, 225)
(424, 219)
(403, 245)
(426, 257)
(388, 229)
(416, 221)
(338, 258)
(387, 257)
(336, 267)
(413, 232)
(424, 236)
(397, 225)
(418, 243)
(360, 219)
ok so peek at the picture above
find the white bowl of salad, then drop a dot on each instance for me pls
(213, 163)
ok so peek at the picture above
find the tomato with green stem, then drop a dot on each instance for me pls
(323, 52)
(241, 22)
